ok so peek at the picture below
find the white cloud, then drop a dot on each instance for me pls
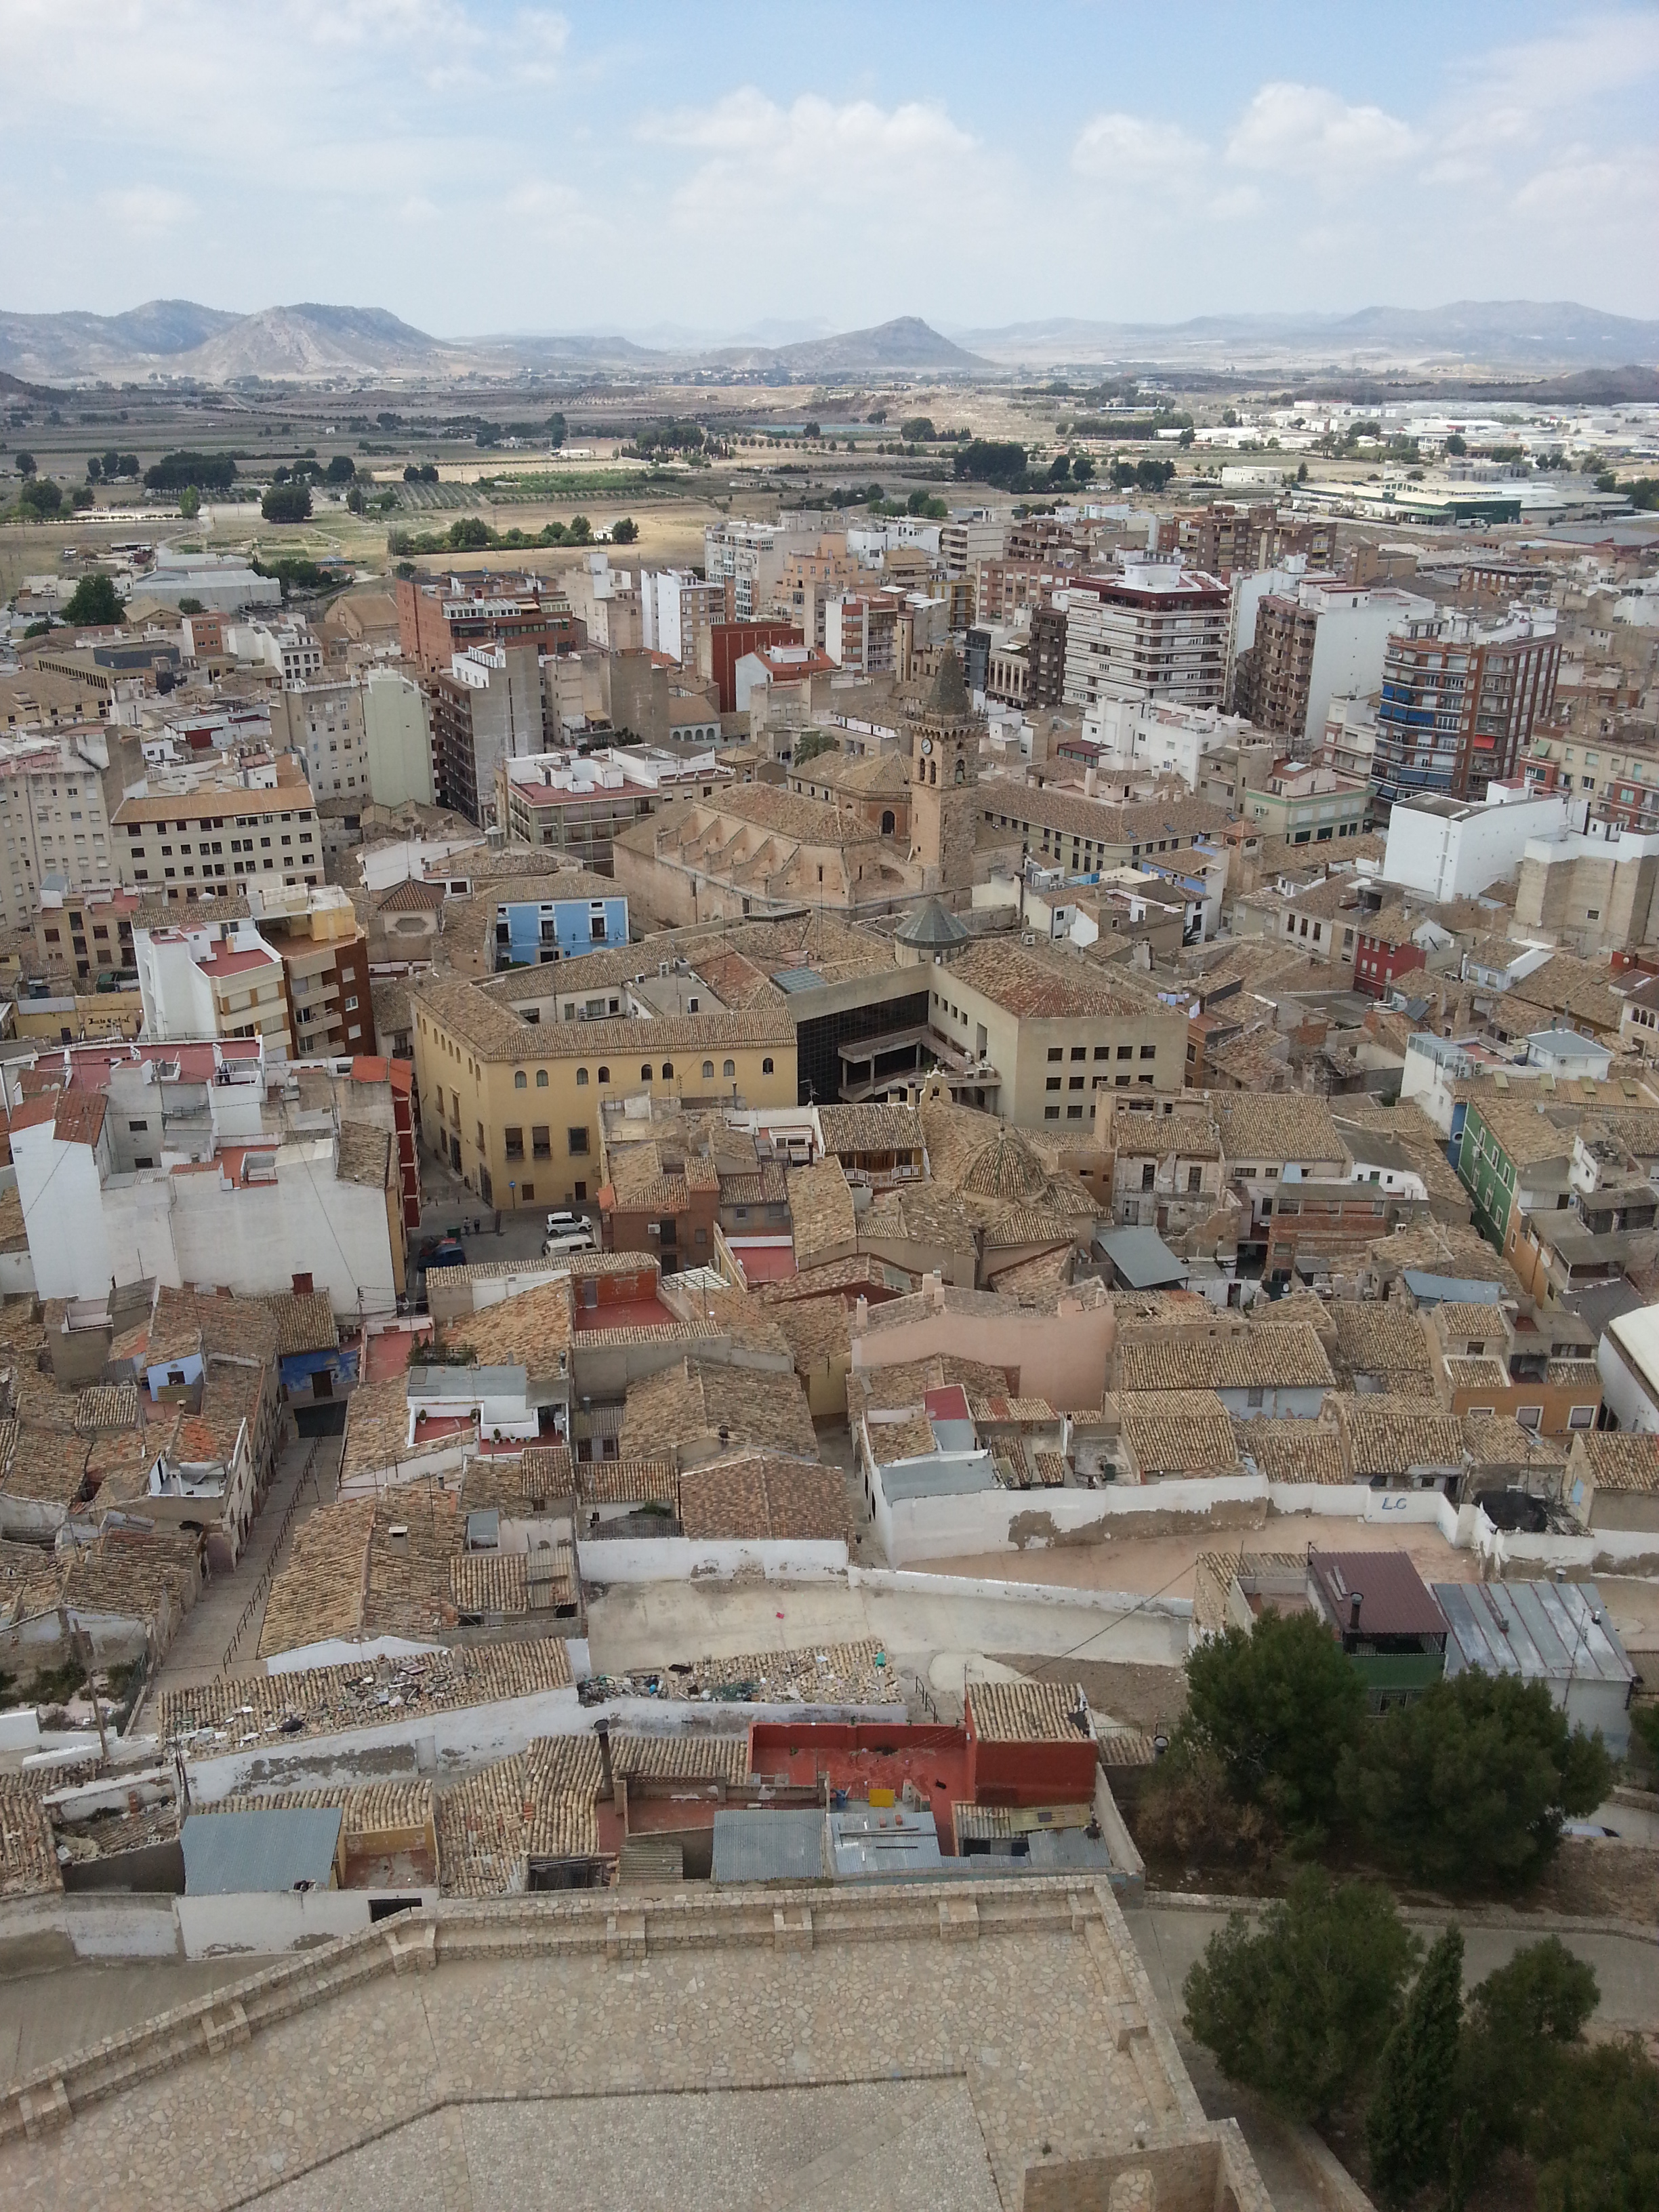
(148, 208)
(1306, 131)
(1117, 148)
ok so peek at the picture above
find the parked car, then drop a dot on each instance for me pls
(561, 1220)
(443, 1252)
(569, 1240)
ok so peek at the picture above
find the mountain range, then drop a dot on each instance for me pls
(309, 341)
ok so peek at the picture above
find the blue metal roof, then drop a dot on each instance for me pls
(1449, 1290)
(768, 1846)
(233, 1854)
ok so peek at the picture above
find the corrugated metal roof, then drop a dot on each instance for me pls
(236, 1854)
(1541, 1631)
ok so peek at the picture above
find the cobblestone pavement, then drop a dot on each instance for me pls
(1044, 2028)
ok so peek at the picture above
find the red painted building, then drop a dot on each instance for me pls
(728, 643)
(1384, 952)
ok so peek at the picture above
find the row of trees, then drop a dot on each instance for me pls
(1006, 464)
(1329, 2006)
(1466, 1788)
(468, 533)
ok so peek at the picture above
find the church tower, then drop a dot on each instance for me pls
(944, 780)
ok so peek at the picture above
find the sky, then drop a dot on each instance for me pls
(721, 169)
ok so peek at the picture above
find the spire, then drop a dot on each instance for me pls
(949, 690)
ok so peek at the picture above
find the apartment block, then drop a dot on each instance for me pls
(1156, 630)
(746, 559)
(1307, 646)
(440, 617)
(397, 739)
(55, 790)
(213, 979)
(678, 610)
(577, 804)
(288, 649)
(323, 722)
(1461, 701)
(324, 950)
(193, 840)
(967, 540)
(1308, 805)
(489, 706)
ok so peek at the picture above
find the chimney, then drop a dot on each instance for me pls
(860, 1317)
(1356, 1599)
(934, 1285)
(602, 1730)
(1089, 781)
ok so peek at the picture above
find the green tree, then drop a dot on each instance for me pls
(109, 462)
(1302, 472)
(126, 465)
(190, 502)
(811, 430)
(1298, 2008)
(1185, 438)
(287, 502)
(580, 531)
(813, 743)
(175, 470)
(1409, 2122)
(189, 606)
(355, 498)
(1519, 2023)
(341, 469)
(25, 462)
(40, 497)
(994, 461)
(468, 534)
(1278, 1707)
(1466, 1788)
(916, 429)
(624, 531)
(95, 468)
(1060, 469)
(1457, 443)
(94, 602)
(1595, 2137)
(1082, 468)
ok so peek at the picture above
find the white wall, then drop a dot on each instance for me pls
(1349, 644)
(265, 1922)
(677, 1559)
(1446, 858)
(1627, 1377)
(964, 1526)
(398, 738)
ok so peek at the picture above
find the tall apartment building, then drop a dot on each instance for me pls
(323, 722)
(1156, 631)
(1312, 644)
(577, 803)
(1460, 702)
(397, 739)
(746, 560)
(1225, 538)
(55, 790)
(212, 979)
(323, 952)
(862, 633)
(967, 540)
(812, 575)
(487, 707)
(607, 602)
(186, 838)
(1001, 588)
(1047, 653)
(679, 609)
(440, 617)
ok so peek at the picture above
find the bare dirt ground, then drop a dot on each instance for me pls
(1142, 1697)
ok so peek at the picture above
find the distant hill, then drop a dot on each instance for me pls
(78, 345)
(906, 343)
(311, 340)
(1517, 334)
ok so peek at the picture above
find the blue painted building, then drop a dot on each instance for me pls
(531, 932)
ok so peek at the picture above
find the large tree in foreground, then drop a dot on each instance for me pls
(1278, 1707)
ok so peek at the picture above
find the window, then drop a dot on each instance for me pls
(520, 1080)
(1053, 1083)
(1056, 1051)
(581, 1077)
(668, 1071)
(1148, 1176)
(541, 1142)
(1079, 1052)
(708, 1071)
(766, 1065)
(1194, 1182)
(1148, 1051)
(1254, 1399)
(541, 1077)
(138, 1128)
(1074, 1113)
(1075, 1083)
(1051, 1113)
(604, 1075)
(728, 1067)
(1582, 1417)
(1126, 1052)
(645, 1071)
(1529, 1416)
(514, 1143)
(480, 1141)
(577, 1140)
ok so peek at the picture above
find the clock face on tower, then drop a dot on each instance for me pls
(927, 746)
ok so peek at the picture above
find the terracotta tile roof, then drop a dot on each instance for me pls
(464, 1012)
(106, 1405)
(820, 1209)
(491, 1581)
(1269, 1131)
(1262, 1356)
(418, 1532)
(681, 1758)
(696, 1402)
(367, 1809)
(628, 1482)
(1038, 985)
(1387, 1435)
(1292, 1451)
(1182, 1135)
(1176, 1433)
(757, 1498)
(49, 1465)
(1460, 1320)
(531, 1330)
(377, 1427)
(1622, 1461)
(305, 1322)
(1029, 1712)
(879, 1128)
(320, 1591)
(29, 1856)
(1380, 1339)
(482, 1832)
(1496, 1440)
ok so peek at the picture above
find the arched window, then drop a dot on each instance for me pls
(888, 821)
(728, 1067)
(708, 1071)
(668, 1071)
(581, 1077)
(962, 769)
(520, 1080)
(766, 1065)
(605, 1075)
(645, 1072)
(541, 1078)
(933, 771)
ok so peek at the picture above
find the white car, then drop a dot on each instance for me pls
(560, 1224)
(580, 1239)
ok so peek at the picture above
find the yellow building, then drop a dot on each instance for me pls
(88, 1014)
(510, 1094)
